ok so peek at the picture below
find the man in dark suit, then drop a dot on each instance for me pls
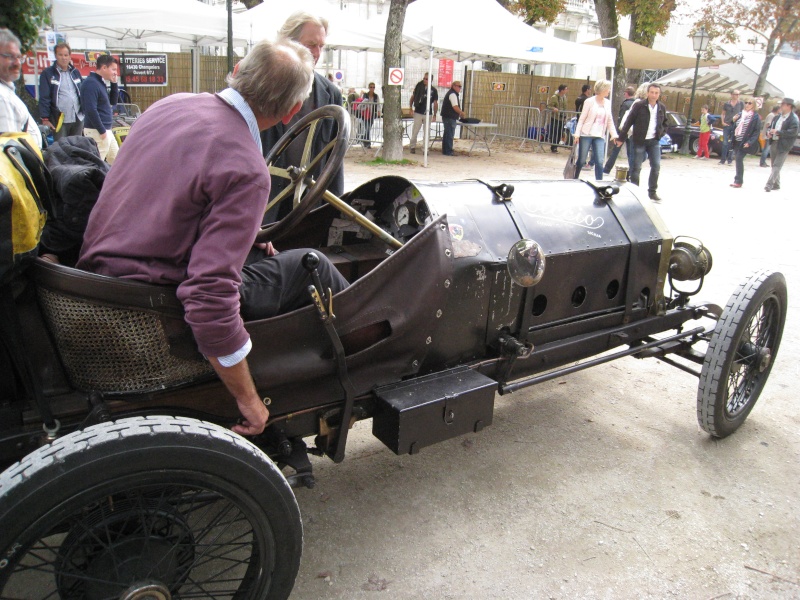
(309, 31)
(649, 121)
(782, 134)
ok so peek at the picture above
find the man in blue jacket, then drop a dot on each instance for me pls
(97, 103)
(60, 94)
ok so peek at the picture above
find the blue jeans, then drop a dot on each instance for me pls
(727, 143)
(447, 137)
(651, 149)
(765, 153)
(614, 154)
(598, 146)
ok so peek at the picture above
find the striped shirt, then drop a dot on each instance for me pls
(744, 121)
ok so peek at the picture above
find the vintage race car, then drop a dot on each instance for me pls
(122, 477)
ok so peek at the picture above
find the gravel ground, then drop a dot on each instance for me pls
(596, 485)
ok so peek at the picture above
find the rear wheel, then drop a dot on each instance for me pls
(156, 508)
(741, 353)
(695, 146)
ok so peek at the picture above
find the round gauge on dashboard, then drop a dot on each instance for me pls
(404, 215)
(422, 212)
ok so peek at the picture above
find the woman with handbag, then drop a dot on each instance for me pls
(595, 123)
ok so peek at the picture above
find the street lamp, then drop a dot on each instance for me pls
(700, 43)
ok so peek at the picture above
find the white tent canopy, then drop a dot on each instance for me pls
(120, 22)
(345, 32)
(483, 30)
(722, 79)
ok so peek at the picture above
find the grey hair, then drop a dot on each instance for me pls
(8, 37)
(274, 77)
(641, 91)
(602, 85)
(294, 25)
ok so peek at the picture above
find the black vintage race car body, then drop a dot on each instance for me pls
(128, 483)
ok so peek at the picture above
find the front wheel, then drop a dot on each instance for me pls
(148, 507)
(695, 146)
(741, 353)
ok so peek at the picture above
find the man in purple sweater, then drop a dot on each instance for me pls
(184, 202)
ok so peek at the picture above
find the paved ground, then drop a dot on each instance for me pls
(596, 485)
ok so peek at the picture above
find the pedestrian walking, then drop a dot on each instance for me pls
(422, 105)
(630, 93)
(768, 122)
(745, 139)
(782, 137)
(705, 134)
(649, 121)
(557, 105)
(731, 111)
(595, 124)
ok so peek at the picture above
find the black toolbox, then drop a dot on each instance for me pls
(412, 414)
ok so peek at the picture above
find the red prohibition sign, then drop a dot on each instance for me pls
(395, 76)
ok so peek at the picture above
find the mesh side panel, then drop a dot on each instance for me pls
(111, 349)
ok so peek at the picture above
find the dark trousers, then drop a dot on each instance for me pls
(727, 143)
(68, 129)
(556, 128)
(273, 285)
(614, 154)
(649, 149)
(449, 135)
(740, 152)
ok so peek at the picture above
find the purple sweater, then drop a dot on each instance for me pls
(182, 205)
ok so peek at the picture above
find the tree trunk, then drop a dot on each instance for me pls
(392, 125)
(609, 31)
(637, 35)
(770, 53)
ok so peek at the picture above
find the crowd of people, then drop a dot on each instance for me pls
(642, 123)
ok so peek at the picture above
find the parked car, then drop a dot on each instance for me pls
(123, 479)
(677, 127)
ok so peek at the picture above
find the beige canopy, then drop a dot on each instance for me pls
(642, 57)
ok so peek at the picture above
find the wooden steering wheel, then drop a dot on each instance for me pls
(303, 190)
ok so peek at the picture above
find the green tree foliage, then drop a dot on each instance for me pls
(24, 18)
(535, 11)
(648, 18)
(764, 23)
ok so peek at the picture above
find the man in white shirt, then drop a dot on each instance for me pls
(451, 112)
(14, 115)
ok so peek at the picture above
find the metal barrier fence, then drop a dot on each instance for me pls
(531, 125)
(366, 124)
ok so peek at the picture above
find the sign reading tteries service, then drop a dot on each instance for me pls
(144, 69)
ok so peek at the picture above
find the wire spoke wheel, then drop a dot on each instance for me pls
(118, 522)
(741, 353)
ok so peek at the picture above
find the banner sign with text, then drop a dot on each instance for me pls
(445, 78)
(144, 69)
